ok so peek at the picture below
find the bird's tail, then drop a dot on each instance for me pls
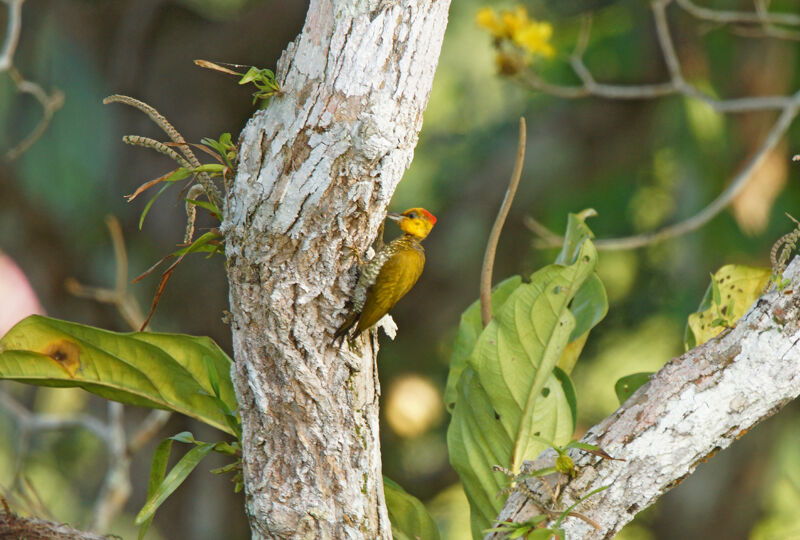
(348, 323)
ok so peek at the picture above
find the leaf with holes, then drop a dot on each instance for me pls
(468, 331)
(732, 291)
(509, 403)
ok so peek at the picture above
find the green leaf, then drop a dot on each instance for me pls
(185, 437)
(589, 306)
(577, 232)
(158, 469)
(569, 392)
(162, 371)
(515, 355)
(211, 207)
(629, 384)
(201, 243)
(476, 442)
(540, 534)
(520, 531)
(409, 518)
(174, 479)
(252, 74)
(216, 168)
(511, 401)
(150, 203)
(179, 174)
(468, 331)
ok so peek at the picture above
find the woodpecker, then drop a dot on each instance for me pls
(391, 273)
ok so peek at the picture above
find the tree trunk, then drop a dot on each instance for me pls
(316, 172)
(695, 406)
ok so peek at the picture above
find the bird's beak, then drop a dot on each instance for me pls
(394, 216)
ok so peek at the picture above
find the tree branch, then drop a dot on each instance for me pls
(693, 407)
(788, 105)
(50, 103)
(12, 526)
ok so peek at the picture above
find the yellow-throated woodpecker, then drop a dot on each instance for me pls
(391, 273)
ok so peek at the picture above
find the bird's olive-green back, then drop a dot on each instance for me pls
(396, 277)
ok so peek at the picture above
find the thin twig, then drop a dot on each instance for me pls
(723, 199)
(120, 297)
(551, 239)
(494, 235)
(50, 103)
(738, 17)
(13, 28)
(787, 105)
(589, 87)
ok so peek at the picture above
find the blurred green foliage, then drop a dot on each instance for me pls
(641, 164)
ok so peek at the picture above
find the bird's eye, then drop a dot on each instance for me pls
(413, 215)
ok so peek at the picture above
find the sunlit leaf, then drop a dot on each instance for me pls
(511, 401)
(569, 391)
(733, 290)
(162, 371)
(468, 331)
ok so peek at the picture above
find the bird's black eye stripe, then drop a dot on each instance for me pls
(413, 215)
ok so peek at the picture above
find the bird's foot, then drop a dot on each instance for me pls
(354, 252)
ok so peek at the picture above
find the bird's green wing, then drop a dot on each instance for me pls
(395, 279)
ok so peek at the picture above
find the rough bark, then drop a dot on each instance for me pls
(15, 527)
(316, 172)
(693, 407)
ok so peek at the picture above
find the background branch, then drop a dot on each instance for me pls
(50, 102)
(787, 105)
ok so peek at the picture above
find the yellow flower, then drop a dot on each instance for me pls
(514, 21)
(488, 18)
(515, 26)
(535, 38)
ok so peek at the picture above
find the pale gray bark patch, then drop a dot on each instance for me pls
(693, 407)
(316, 171)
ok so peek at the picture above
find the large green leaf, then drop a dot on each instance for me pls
(163, 371)
(409, 517)
(515, 355)
(477, 441)
(510, 405)
(468, 331)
